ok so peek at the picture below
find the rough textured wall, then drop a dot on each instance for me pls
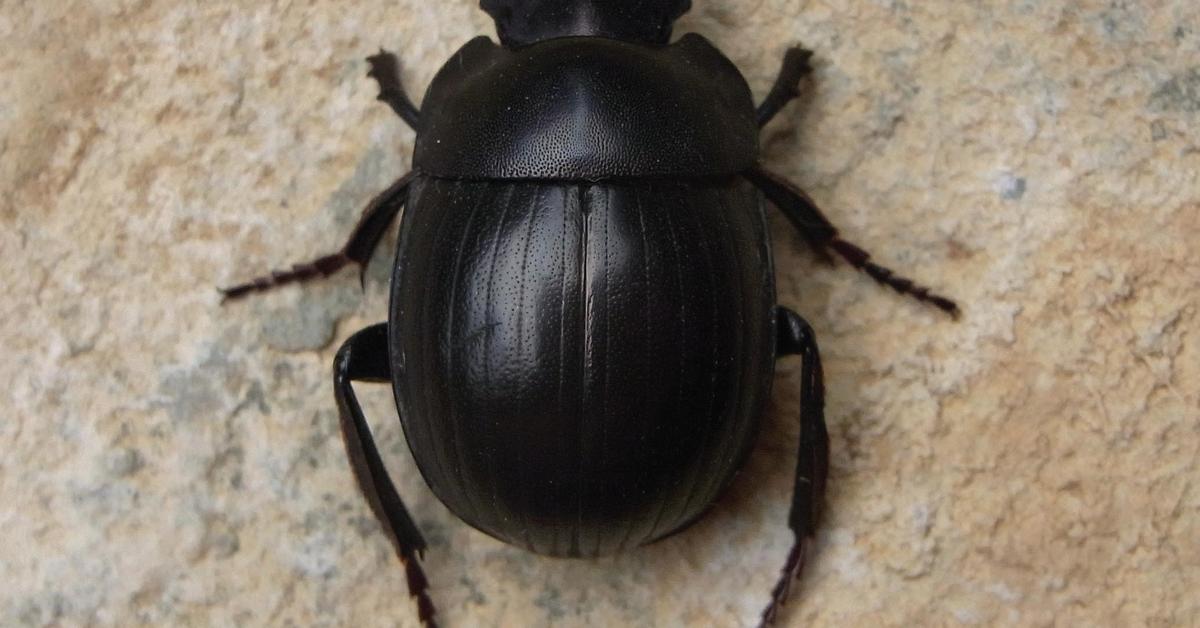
(170, 461)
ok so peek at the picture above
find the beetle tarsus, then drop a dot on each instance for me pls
(822, 236)
(418, 588)
(861, 260)
(787, 85)
(790, 573)
(385, 69)
(320, 267)
(374, 222)
(364, 358)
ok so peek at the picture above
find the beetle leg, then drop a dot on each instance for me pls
(786, 87)
(795, 337)
(364, 358)
(385, 68)
(822, 236)
(375, 219)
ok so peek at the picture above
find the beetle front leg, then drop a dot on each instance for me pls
(795, 337)
(374, 222)
(364, 358)
(786, 87)
(822, 236)
(385, 68)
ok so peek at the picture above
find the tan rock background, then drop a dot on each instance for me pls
(167, 460)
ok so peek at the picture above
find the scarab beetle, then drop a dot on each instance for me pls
(582, 328)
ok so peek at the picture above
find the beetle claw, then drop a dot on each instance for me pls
(790, 573)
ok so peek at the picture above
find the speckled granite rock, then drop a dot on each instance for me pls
(171, 461)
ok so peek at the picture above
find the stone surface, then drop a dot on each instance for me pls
(168, 460)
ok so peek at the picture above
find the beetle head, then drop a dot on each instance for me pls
(523, 22)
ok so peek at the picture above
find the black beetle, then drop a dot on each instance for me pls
(583, 328)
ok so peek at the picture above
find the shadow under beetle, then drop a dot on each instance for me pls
(583, 328)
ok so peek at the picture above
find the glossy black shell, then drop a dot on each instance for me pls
(581, 367)
(582, 330)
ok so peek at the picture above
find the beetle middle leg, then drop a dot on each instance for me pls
(795, 337)
(376, 217)
(385, 68)
(786, 87)
(364, 358)
(822, 236)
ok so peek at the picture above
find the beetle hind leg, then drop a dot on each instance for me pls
(364, 358)
(822, 236)
(795, 337)
(376, 217)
